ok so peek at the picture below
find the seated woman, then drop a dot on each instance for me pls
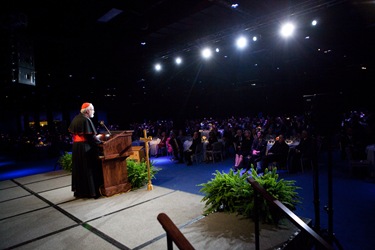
(162, 146)
(169, 147)
(258, 151)
(243, 150)
(277, 153)
(237, 142)
(176, 148)
(212, 138)
(196, 140)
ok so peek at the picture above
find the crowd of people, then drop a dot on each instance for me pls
(355, 131)
(246, 138)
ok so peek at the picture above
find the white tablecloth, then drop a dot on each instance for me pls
(204, 133)
(187, 144)
(154, 146)
(291, 144)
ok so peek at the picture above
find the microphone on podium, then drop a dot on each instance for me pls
(102, 123)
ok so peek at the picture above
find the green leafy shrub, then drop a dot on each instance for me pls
(65, 161)
(137, 171)
(232, 193)
(226, 192)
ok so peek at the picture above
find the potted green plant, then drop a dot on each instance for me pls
(230, 192)
(65, 161)
(138, 173)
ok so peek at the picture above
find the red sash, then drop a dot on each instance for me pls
(78, 138)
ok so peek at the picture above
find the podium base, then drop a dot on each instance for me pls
(112, 190)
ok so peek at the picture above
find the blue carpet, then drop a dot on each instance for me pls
(14, 168)
(187, 178)
(353, 198)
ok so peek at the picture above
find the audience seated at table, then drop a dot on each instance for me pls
(352, 143)
(215, 129)
(237, 138)
(195, 141)
(182, 136)
(169, 147)
(278, 153)
(243, 153)
(258, 150)
(162, 146)
(304, 152)
(228, 140)
(212, 138)
(177, 148)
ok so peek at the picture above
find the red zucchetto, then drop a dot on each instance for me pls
(85, 105)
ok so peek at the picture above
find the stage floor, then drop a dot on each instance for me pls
(40, 212)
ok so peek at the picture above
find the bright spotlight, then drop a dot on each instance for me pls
(158, 67)
(206, 53)
(178, 60)
(241, 42)
(287, 30)
(255, 38)
(217, 50)
(314, 22)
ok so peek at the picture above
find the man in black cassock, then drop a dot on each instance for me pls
(87, 175)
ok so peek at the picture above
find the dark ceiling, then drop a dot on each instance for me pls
(91, 50)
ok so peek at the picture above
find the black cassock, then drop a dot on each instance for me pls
(87, 175)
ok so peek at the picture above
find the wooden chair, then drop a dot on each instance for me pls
(217, 150)
(198, 154)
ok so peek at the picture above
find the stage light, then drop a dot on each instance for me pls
(314, 22)
(158, 67)
(217, 50)
(287, 30)
(235, 5)
(206, 53)
(255, 38)
(241, 42)
(178, 60)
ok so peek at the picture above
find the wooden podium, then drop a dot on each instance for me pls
(115, 173)
(138, 153)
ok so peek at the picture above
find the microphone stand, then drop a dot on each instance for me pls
(322, 114)
(102, 123)
(330, 235)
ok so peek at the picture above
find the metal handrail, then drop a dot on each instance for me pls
(258, 189)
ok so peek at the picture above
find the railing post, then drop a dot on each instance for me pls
(169, 242)
(256, 218)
